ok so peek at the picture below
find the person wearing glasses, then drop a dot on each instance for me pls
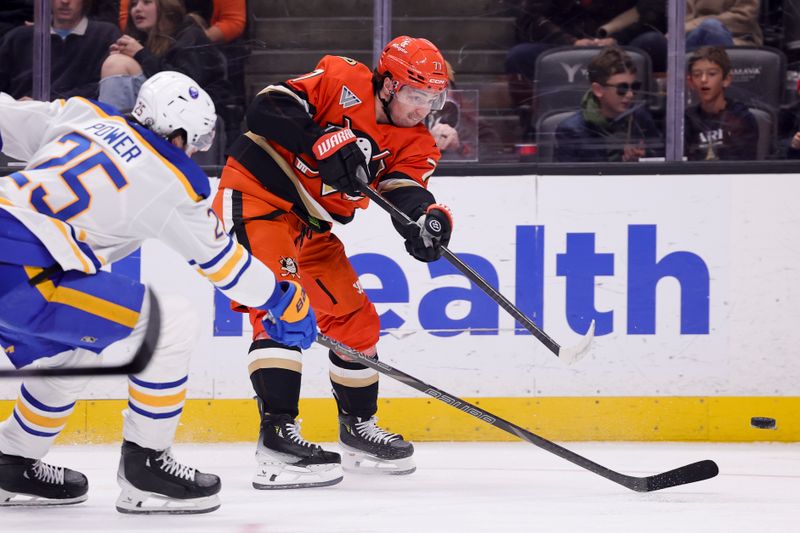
(313, 142)
(611, 125)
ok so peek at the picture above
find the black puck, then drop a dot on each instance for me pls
(763, 422)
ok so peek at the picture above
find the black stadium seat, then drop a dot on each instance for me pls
(759, 76)
(546, 133)
(767, 132)
(561, 77)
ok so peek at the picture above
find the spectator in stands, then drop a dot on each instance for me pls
(160, 36)
(222, 20)
(225, 23)
(15, 13)
(609, 127)
(455, 128)
(544, 24)
(793, 151)
(708, 23)
(446, 126)
(78, 47)
(717, 127)
(794, 145)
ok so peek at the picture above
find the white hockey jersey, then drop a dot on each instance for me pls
(95, 187)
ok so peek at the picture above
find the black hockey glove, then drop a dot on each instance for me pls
(339, 160)
(436, 225)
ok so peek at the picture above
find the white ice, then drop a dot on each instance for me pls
(462, 487)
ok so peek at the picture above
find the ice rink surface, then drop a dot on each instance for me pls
(462, 487)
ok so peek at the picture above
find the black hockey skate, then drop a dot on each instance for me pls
(25, 481)
(368, 449)
(287, 461)
(153, 482)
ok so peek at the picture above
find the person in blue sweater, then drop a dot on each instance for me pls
(610, 125)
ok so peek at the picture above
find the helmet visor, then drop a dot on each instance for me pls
(420, 98)
(204, 142)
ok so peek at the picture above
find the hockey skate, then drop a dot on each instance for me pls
(287, 461)
(368, 449)
(153, 482)
(25, 481)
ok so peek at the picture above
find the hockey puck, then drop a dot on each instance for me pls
(762, 422)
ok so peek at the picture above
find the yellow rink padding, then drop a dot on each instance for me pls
(717, 419)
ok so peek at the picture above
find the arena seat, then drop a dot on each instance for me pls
(561, 77)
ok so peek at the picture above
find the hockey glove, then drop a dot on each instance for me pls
(291, 321)
(339, 160)
(436, 225)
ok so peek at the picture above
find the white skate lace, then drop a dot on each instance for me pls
(173, 467)
(293, 432)
(369, 430)
(48, 473)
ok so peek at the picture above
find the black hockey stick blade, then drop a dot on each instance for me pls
(568, 354)
(136, 364)
(698, 471)
(679, 476)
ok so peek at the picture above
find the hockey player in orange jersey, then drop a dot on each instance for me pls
(287, 180)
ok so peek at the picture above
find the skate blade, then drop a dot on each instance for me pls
(357, 462)
(134, 501)
(278, 475)
(18, 499)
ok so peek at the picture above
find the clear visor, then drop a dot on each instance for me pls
(203, 142)
(419, 98)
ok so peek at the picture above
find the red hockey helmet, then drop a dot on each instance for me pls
(415, 62)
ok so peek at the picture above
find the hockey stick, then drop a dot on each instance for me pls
(680, 476)
(568, 354)
(136, 364)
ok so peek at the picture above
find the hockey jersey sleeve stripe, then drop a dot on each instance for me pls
(196, 187)
(229, 265)
(75, 250)
(239, 275)
(85, 302)
(395, 183)
(217, 258)
(289, 92)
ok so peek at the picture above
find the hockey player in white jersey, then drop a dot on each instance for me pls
(96, 184)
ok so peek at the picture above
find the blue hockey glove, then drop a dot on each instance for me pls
(291, 321)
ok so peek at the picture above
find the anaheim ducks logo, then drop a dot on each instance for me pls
(289, 267)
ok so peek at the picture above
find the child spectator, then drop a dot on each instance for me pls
(543, 24)
(716, 127)
(159, 36)
(609, 127)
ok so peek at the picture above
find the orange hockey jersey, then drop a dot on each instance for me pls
(337, 94)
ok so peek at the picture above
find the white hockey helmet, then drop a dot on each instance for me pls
(170, 101)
